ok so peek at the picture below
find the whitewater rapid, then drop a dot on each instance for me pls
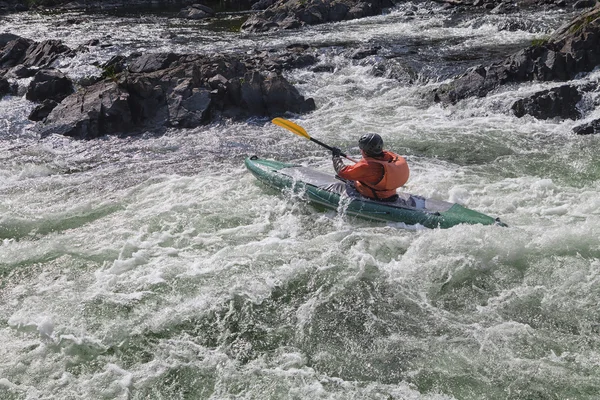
(157, 266)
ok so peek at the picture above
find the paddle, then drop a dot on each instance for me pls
(300, 131)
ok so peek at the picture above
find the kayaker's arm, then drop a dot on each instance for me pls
(338, 164)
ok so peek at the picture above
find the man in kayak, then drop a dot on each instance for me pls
(378, 174)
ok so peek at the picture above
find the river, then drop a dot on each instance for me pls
(157, 267)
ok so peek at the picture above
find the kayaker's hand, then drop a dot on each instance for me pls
(336, 152)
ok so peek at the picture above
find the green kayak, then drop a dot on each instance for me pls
(324, 189)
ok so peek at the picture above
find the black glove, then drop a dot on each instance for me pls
(336, 152)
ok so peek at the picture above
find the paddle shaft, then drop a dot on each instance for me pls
(300, 131)
(331, 149)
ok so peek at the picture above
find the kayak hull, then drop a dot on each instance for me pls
(324, 189)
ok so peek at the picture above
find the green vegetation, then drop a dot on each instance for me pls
(539, 42)
(584, 21)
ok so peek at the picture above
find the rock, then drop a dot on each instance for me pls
(41, 111)
(572, 49)
(584, 4)
(293, 14)
(196, 11)
(21, 71)
(43, 54)
(556, 102)
(152, 62)
(13, 52)
(93, 112)
(167, 90)
(588, 128)
(5, 38)
(4, 87)
(188, 106)
(363, 52)
(262, 4)
(49, 84)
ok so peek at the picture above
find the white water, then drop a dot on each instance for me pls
(157, 267)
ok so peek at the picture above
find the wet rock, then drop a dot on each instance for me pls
(588, 128)
(262, 4)
(43, 54)
(49, 84)
(5, 38)
(167, 90)
(13, 52)
(4, 87)
(152, 62)
(188, 106)
(572, 49)
(92, 112)
(556, 102)
(30, 53)
(293, 14)
(21, 71)
(584, 4)
(196, 11)
(364, 52)
(41, 111)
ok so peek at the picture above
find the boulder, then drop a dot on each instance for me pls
(49, 84)
(92, 112)
(13, 52)
(196, 11)
(41, 111)
(556, 102)
(588, 128)
(4, 87)
(43, 54)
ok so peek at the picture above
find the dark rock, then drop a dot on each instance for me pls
(152, 62)
(584, 4)
(13, 52)
(4, 87)
(262, 4)
(93, 112)
(5, 38)
(182, 91)
(41, 111)
(43, 54)
(572, 49)
(324, 68)
(21, 71)
(588, 128)
(556, 102)
(49, 84)
(293, 14)
(188, 106)
(364, 52)
(196, 11)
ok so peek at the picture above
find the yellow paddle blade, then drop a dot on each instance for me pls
(290, 126)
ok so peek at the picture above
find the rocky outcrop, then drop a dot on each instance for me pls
(27, 53)
(573, 49)
(292, 14)
(168, 90)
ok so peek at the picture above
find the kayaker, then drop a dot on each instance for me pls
(378, 174)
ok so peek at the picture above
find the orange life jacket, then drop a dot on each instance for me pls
(395, 175)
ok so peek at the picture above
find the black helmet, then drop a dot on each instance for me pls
(371, 144)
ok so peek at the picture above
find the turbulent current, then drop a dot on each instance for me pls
(157, 267)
